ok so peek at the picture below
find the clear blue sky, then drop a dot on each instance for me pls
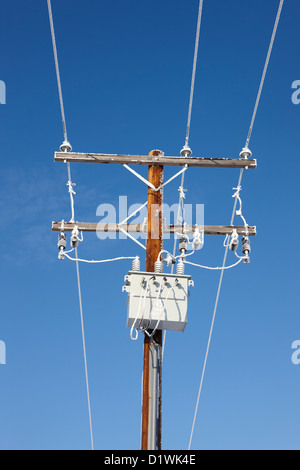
(126, 69)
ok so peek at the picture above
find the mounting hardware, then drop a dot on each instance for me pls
(197, 240)
(74, 237)
(234, 242)
(170, 260)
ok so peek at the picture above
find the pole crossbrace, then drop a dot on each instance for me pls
(155, 160)
(140, 228)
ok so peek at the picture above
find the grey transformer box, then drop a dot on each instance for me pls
(157, 300)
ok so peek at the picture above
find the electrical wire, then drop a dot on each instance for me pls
(187, 137)
(71, 192)
(99, 261)
(194, 73)
(61, 101)
(84, 348)
(180, 208)
(233, 214)
(264, 71)
(57, 71)
(216, 268)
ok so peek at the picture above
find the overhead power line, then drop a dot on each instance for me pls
(264, 72)
(233, 212)
(194, 73)
(186, 151)
(84, 349)
(151, 419)
(57, 70)
(67, 147)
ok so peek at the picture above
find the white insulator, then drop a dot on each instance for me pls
(180, 268)
(246, 248)
(66, 147)
(186, 151)
(158, 267)
(62, 241)
(136, 264)
(245, 153)
(183, 244)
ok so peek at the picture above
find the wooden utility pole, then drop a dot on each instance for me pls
(152, 367)
(152, 376)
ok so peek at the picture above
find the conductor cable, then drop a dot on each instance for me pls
(233, 214)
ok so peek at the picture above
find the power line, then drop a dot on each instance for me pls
(84, 349)
(215, 268)
(67, 147)
(213, 322)
(264, 71)
(186, 150)
(57, 70)
(194, 73)
(233, 213)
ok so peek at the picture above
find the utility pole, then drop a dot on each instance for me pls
(152, 362)
(152, 367)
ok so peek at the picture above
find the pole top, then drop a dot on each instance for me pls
(156, 153)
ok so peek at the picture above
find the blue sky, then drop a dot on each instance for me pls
(126, 70)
